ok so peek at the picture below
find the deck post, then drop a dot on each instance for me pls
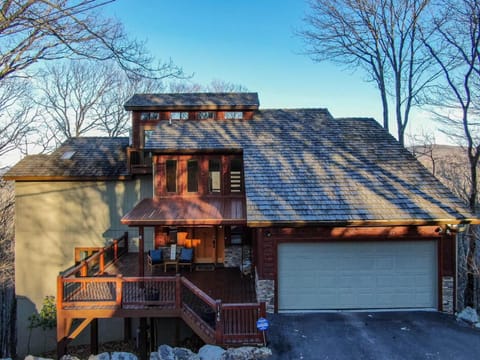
(127, 329)
(102, 261)
(118, 294)
(94, 337)
(178, 292)
(125, 237)
(219, 323)
(115, 249)
(84, 270)
(141, 251)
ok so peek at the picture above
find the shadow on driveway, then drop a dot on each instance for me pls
(372, 335)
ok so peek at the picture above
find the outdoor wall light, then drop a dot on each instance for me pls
(268, 234)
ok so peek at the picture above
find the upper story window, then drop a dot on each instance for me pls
(192, 176)
(236, 177)
(179, 115)
(229, 115)
(214, 175)
(145, 116)
(203, 115)
(171, 175)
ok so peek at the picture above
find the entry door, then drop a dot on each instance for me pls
(206, 250)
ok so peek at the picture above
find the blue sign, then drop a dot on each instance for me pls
(262, 324)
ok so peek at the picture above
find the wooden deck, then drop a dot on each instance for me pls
(226, 284)
(220, 305)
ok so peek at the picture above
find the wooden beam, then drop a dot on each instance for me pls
(79, 328)
(143, 338)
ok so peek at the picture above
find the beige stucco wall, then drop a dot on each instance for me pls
(52, 218)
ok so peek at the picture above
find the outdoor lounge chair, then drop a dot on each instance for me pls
(186, 257)
(155, 257)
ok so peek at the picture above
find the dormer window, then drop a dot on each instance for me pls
(204, 115)
(230, 115)
(146, 116)
(179, 115)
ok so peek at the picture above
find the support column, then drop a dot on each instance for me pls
(143, 339)
(127, 329)
(94, 337)
(141, 252)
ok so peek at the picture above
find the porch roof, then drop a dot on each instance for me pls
(194, 210)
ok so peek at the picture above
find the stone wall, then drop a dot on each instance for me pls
(266, 292)
(447, 294)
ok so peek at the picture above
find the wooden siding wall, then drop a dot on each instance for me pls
(267, 239)
(160, 174)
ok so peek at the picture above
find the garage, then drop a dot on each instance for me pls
(357, 275)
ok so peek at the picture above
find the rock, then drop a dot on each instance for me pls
(102, 356)
(154, 356)
(5, 358)
(31, 357)
(477, 325)
(247, 353)
(262, 353)
(469, 315)
(123, 356)
(69, 357)
(211, 352)
(185, 354)
(165, 352)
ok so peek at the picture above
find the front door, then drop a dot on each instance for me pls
(205, 251)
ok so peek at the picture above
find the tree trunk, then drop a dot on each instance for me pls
(8, 320)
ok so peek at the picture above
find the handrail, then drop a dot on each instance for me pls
(83, 266)
(198, 292)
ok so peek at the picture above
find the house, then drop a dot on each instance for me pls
(329, 213)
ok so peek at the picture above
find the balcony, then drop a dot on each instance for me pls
(139, 161)
(219, 306)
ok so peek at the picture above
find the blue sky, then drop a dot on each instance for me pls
(251, 43)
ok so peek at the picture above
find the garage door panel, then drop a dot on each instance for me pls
(360, 275)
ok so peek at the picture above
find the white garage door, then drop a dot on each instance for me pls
(360, 275)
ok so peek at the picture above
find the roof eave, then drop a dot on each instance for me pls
(152, 107)
(67, 178)
(347, 223)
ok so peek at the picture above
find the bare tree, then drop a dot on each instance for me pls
(33, 31)
(16, 114)
(69, 94)
(381, 38)
(455, 46)
(216, 85)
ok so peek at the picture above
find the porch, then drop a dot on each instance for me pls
(219, 306)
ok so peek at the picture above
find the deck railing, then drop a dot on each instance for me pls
(99, 258)
(214, 321)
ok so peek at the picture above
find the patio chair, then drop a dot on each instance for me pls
(155, 257)
(186, 257)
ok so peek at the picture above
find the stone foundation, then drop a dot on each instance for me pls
(266, 292)
(233, 256)
(447, 294)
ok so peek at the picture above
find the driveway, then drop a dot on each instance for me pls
(372, 335)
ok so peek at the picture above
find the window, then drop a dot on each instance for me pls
(203, 115)
(179, 115)
(145, 116)
(236, 176)
(214, 183)
(192, 176)
(171, 170)
(229, 115)
(147, 134)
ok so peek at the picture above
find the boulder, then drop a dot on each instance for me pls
(31, 357)
(102, 356)
(211, 352)
(185, 354)
(165, 352)
(123, 356)
(247, 353)
(469, 315)
(69, 357)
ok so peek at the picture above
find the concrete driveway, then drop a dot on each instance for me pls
(372, 335)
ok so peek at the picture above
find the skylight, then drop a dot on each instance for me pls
(67, 155)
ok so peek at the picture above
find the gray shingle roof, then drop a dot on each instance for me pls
(302, 165)
(93, 157)
(199, 101)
